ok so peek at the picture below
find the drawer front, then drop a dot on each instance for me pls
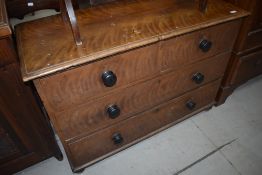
(97, 114)
(248, 67)
(76, 86)
(253, 40)
(112, 139)
(186, 48)
(254, 22)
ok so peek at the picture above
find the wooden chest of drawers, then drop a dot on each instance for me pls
(148, 66)
(246, 60)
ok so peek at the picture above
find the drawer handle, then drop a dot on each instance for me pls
(117, 138)
(113, 111)
(198, 78)
(109, 78)
(205, 45)
(191, 105)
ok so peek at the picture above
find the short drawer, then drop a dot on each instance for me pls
(123, 103)
(198, 45)
(76, 86)
(101, 144)
(253, 40)
(248, 67)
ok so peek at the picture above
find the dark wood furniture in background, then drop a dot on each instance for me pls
(19, 8)
(144, 65)
(25, 134)
(97, 2)
(202, 3)
(246, 60)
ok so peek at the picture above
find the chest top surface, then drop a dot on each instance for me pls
(46, 45)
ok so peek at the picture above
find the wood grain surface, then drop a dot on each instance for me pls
(184, 49)
(100, 145)
(152, 46)
(78, 85)
(75, 86)
(78, 121)
(46, 45)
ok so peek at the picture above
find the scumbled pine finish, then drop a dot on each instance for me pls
(143, 66)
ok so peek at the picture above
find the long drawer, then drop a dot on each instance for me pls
(94, 115)
(76, 86)
(116, 137)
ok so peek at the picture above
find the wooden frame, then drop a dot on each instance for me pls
(68, 13)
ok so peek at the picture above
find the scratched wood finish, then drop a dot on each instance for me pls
(185, 49)
(109, 29)
(153, 48)
(76, 86)
(91, 116)
(100, 145)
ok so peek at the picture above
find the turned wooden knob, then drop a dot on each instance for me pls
(205, 45)
(191, 105)
(198, 78)
(109, 78)
(117, 138)
(113, 111)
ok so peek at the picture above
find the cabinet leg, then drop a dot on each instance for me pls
(209, 108)
(79, 171)
(59, 156)
(223, 94)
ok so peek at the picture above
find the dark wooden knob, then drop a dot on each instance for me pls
(109, 78)
(198, 78)
(205, 45)
(117, 138)
(113, 111)
(191, 105)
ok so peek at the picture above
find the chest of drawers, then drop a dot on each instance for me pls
(246, 59)
(141, 69)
